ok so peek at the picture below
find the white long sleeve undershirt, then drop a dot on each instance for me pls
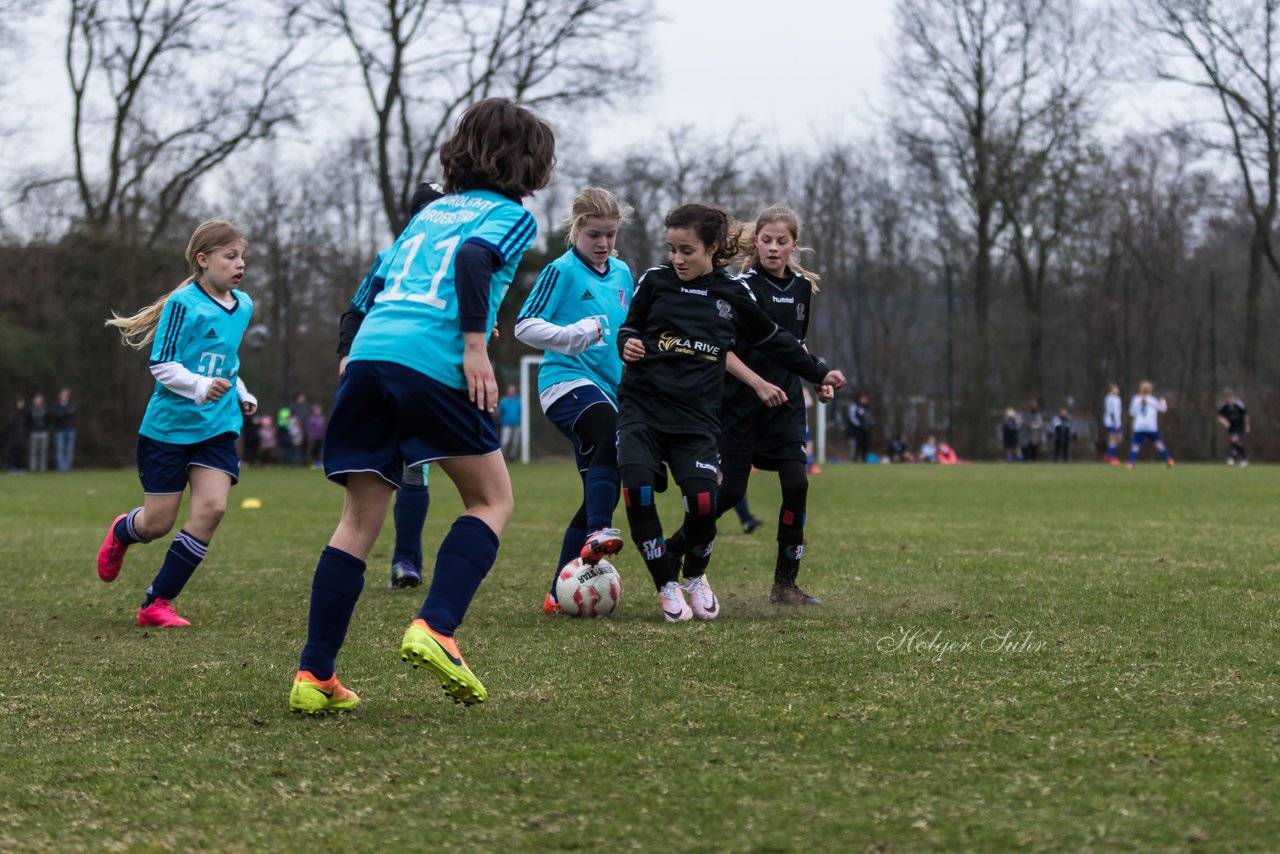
(175, 377)
(570, 340)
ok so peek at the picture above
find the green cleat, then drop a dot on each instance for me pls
(312, 696)
(423, 647)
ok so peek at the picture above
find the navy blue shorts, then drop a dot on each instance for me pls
(162, 466)
(564, 413)
(387, 416)
(1141, 437)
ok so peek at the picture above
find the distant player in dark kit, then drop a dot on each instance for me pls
(1235, 418)
(419, 387)
(686, 317)
(188, 435)
(414, 496)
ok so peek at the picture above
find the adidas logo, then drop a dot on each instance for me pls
(210, 334)
(586, 295)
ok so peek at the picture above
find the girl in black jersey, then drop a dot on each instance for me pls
(684, 320)
(762, 419)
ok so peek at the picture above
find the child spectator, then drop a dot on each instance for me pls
(315, 434)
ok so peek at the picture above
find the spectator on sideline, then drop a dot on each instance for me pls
(1064, 433)
(16, 435)
(38, 435)
(509, 422)
(64, 430)
(929, 450)
(858, 422)
(1009, 436)
(252, 441)
(315, 435)
(268, 441)
(1031, 431)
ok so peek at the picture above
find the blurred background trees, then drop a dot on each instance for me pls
(991, 239)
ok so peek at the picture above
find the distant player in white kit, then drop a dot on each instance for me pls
(1144, 410)
(1111, 421)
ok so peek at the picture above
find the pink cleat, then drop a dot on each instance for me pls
(111, 554)
(160, 613)
(551, 606)
(674, 607)
(703, 602)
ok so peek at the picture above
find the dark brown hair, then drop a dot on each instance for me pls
(712, 225)
(498, 146)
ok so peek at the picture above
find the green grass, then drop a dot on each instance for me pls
(1136, 709)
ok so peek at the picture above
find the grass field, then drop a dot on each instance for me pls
(1032, 657)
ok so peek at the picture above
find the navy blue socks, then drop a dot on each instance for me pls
(465, 558)
(410, 514)
(600, 490)
(180, 562)
(335, 588)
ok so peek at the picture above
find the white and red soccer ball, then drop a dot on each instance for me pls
(588, 589)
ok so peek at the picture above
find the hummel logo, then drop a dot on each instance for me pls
(211, 334)
(586, 295)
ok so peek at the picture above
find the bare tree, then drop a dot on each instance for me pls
(976, 81)
(163, 93)
(422, 62)
(1228, 52)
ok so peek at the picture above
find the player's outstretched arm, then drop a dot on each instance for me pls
(776, 343)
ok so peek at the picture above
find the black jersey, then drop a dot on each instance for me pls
(1234, 413)
(786, 301)
(688, 329)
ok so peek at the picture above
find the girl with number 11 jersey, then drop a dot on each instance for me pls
(418, 387)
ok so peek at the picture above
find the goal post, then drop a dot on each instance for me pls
(527, 364)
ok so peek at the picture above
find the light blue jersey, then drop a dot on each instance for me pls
(204, 336)
(414, 321)
(570, 290)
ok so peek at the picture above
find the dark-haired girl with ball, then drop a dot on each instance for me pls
(685, 319)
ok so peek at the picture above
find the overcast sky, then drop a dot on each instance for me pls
(795, 68)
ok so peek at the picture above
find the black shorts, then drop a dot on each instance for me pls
(688, 455)
(767, 439)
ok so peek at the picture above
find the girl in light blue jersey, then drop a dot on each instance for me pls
(188, 435)
(418, 387)
(573, 313)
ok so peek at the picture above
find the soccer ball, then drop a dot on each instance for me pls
(588, 590)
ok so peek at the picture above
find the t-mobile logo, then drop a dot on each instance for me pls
(211, 364)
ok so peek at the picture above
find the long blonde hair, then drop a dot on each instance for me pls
(598, 202)
(747, 241)
(138, 330)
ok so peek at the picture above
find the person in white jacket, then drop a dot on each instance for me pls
(1144, 410)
